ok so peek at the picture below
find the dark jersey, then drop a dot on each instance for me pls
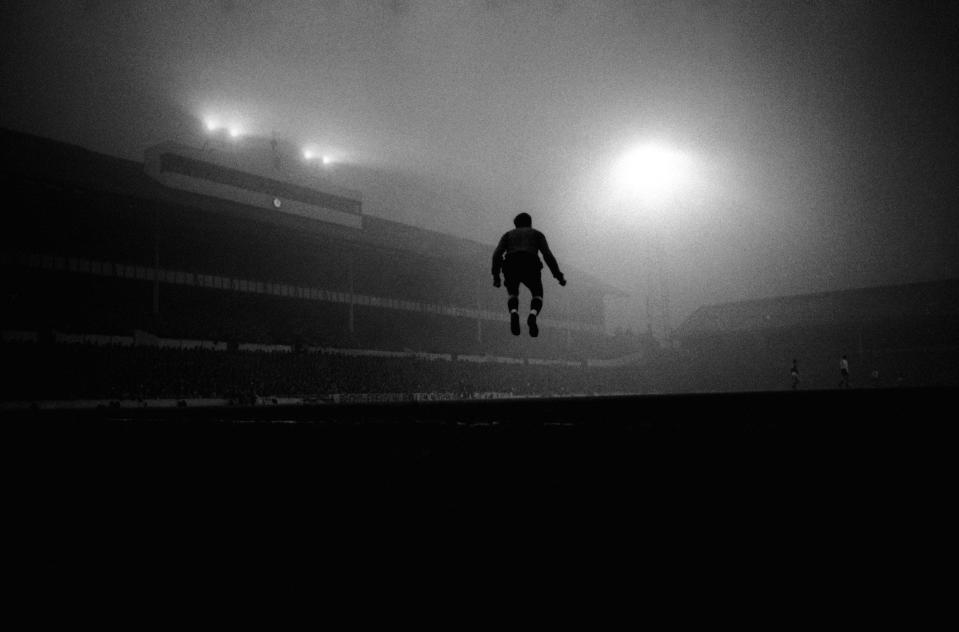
(524, 240)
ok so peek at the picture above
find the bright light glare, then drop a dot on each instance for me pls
(211, 125)
(235, 132)
(310, 154)
(652, 172)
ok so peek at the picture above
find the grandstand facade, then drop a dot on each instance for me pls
(902, 335)
(199, 245)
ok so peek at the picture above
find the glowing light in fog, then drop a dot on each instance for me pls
(652, 172)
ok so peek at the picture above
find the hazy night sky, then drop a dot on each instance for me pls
(823, 134)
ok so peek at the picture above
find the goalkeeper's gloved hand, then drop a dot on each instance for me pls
(561, 279)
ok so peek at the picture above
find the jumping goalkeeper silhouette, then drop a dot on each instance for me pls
(517, 255)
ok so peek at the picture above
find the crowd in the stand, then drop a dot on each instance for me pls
(49, 301)
(42, 371)
(73, 371)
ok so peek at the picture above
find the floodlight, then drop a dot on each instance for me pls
(235, 132)
(327, 160)
(211, 125)
(652, 171)
(308, 154)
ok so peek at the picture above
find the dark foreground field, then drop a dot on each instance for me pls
(214, 497)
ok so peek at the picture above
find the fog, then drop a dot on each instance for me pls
(822, 136)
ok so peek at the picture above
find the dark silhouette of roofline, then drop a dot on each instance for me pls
(920, 299)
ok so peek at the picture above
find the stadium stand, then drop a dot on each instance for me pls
(906, 334)
(115, 370)
(91, 220)
(99, 250)
(183, 248)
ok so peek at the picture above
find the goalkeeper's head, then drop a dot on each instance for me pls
(523, 220)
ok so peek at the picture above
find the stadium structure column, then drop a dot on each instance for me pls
(479, 315)
(156, 261)
(349, 269)
(664, 289)
(649, 317)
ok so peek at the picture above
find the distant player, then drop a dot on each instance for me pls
(844, 373)
(794, 374)
(517, 255)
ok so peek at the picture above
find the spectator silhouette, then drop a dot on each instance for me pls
(844, 372)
